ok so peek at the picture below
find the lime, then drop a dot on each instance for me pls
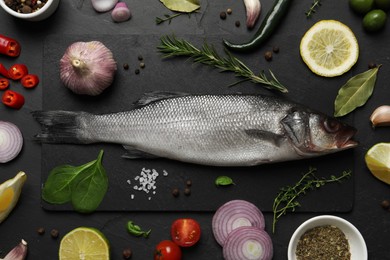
(329, 48)
(382, 4)
(378, 161)
(374, 20)
(84, 243)
(361, 6)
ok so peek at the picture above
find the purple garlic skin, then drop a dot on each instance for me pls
(121, 13)
(87, 68)
(17, 253)
(103, 5)
(253, 8)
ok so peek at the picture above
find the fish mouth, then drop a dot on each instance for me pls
(345, 140)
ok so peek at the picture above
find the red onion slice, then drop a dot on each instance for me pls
(248, 243)
(235, 214)
(11, 141)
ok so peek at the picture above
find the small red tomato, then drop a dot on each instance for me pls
(12, 99)
(185, 232)
(167, 250)
(4, 83)
(17, 71)
(30, 81)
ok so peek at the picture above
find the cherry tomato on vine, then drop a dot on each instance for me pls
(167, 250)
(4, 83)
(30, 81)
(17, 71)
(185, 232)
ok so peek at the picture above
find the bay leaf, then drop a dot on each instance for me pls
(186, 6)
(355, 92)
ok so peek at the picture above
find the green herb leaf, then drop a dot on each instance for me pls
(312, 10)
(136, 230)
(224, 181)
(355, 92)
(90, 187)
(185, 6)
(84, 186)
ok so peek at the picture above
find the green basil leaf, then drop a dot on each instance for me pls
(57, 187)
(136, 230)
(223, 181)
(90, 187)
(186, 6)
(355, 92)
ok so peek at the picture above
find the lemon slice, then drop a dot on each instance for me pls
(378, 161)
(329, 48)
(84, 243)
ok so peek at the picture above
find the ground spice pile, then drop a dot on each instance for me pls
(323, 243)
(25, 6)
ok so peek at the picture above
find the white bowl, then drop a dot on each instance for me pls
(357, 244)
(43, 13)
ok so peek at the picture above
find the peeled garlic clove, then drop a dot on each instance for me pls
(17, 253)
(103, 5)
(381, 116)
(9, 194)
(253, 8)
(121, 13)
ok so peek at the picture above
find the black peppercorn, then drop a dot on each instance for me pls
(237, 23)
(371, 65)
(187, 191)
(126, 66)
(142, 65)
(229, 11)
(385, 204)
(222, 15)
(188, 183)
(54, 233)
(41, 231)
(275, 49)
(268, 56)
(140, 57)
(127, 253)
(136, 71)
(175, 192)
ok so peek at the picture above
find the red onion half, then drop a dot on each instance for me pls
(11, 141)
(248, 243)
(235, 214)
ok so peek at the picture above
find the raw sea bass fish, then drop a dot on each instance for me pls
(217, 130)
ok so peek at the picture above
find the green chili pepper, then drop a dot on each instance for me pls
(136, 230)
(267, 27)
(223, 181)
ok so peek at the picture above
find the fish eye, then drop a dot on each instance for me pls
(331, 125)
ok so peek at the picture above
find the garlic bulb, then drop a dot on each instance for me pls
(381, 116)
(253, 8)
(19, 252)
(103, 5)
(87, 68)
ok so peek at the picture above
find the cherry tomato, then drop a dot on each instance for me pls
(17, 71)
(167, 250)
(30, 81)
(4, 83)
(185, 232)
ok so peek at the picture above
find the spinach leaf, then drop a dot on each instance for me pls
(224, 181)
(185, 6)
(355, 92)
(85, 186)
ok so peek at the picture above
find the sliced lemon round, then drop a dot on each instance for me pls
(84, 243)
(378, 161)
(329, 48)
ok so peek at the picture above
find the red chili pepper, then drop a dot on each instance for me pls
(9, 46)
(17, 71)
(12, 99)
(30, 81)
(3, 71)
(4, 83)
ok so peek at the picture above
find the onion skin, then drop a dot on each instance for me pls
(235, 248)
(381, 116)
(235, 214)
(87, 68)
(11, 141)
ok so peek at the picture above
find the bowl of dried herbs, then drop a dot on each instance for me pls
(327, 237)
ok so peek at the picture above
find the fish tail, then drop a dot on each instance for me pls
(61, 126)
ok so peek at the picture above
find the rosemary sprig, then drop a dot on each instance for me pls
(312, 10)
(286, 200)
(171, 46)
(167, 18)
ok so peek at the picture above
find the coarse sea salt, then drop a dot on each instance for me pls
(146, 181)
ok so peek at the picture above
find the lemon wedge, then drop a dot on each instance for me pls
(329, 48)
(378, 161)
(9, 194)
(84, 243)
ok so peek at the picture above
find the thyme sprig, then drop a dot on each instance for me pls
(286, 199)
(312, 10)
(167, 17)
(171, 46)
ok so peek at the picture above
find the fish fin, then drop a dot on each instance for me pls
(296, 125)
(265, 135)
(154, 96)
(133, 153)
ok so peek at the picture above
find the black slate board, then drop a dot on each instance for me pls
(256, 184)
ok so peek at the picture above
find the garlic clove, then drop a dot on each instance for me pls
(121, 13)
(103, 5)
(253, 8)
(381, 116)
(19, 252)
